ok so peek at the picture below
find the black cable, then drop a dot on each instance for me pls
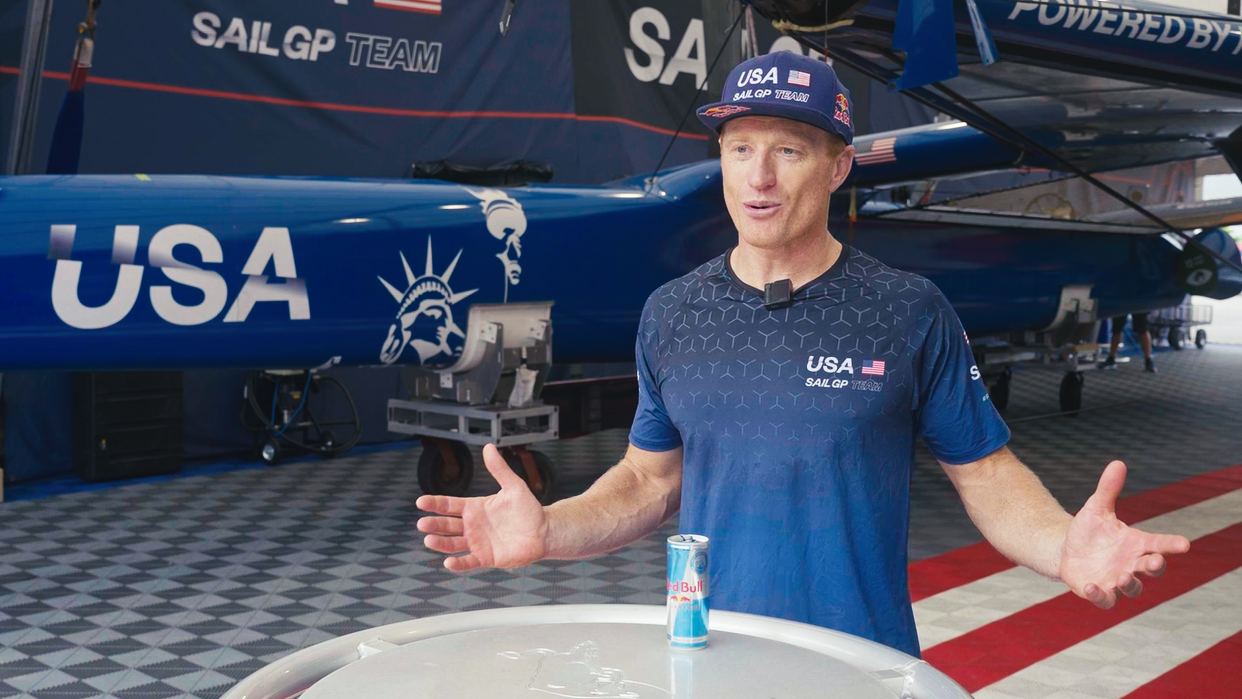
(724, 44)
(1045, 416)
(353, 409)
(269, 427)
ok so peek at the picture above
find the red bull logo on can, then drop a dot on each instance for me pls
(687, 587)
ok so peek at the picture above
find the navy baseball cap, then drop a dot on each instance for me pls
(784, 84)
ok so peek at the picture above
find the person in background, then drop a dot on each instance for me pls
(1144, 338)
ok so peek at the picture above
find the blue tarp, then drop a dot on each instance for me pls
(360, 88)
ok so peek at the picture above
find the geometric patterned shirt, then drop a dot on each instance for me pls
(798, 426)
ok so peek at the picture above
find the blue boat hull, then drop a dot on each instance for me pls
(164, 272)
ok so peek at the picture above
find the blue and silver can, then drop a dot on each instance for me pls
(687, 591)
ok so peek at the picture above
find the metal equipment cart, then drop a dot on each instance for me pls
(1174, 324)
(278, 412)
(489, 395)
(1067, 344)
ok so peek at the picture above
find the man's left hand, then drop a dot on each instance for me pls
(1102, 557)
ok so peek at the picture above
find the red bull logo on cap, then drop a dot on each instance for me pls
(842, 113)
(725, 110)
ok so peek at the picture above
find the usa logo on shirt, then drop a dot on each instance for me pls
(873, 367)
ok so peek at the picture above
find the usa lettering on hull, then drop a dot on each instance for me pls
(689, 56)
(272, 248)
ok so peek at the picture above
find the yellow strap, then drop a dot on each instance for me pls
(786, 26)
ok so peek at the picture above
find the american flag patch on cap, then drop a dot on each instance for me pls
(797, 77)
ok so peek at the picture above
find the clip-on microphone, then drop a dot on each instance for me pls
(778, 294)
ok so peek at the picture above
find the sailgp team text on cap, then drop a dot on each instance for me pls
(784, 84)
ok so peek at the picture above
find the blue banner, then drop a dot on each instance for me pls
(339, 87)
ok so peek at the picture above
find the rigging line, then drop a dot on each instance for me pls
(952, 195)
(1089, 178)
(723, 45)
(985, 122)
(962, 195)
(980, 116)
(886, 76)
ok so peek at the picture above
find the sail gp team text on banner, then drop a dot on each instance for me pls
(299, 43)
(1102, 17)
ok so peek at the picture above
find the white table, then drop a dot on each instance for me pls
(590, 651)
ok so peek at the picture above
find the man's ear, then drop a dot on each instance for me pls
(842, 166)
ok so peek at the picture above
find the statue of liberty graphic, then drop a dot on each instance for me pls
(506, 222)
(424, 319)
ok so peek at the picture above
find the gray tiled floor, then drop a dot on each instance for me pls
(179, 589)
(1187, 420)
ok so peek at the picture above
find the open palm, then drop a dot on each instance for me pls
(505, 530)
(1102, 556)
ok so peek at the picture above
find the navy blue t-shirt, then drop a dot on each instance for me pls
(798, 426)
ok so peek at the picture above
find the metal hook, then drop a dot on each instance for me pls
(506, 16)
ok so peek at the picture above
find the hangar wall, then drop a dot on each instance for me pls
(363, 88)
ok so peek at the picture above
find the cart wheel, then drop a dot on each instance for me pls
(270, 451)
(1200, 338)
(543, 466)
(1000, 390)
(327, 441)
(1071, 392)
(437, 476)
(1175, 338)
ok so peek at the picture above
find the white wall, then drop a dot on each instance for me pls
(1226, 327)
(1221, 187)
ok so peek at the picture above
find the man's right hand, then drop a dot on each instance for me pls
(505, 530)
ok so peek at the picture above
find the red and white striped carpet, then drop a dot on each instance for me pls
(1004, 632)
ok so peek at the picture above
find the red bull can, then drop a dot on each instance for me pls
(687, 592)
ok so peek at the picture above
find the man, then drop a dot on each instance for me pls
(785, 435)
(1144, 337)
